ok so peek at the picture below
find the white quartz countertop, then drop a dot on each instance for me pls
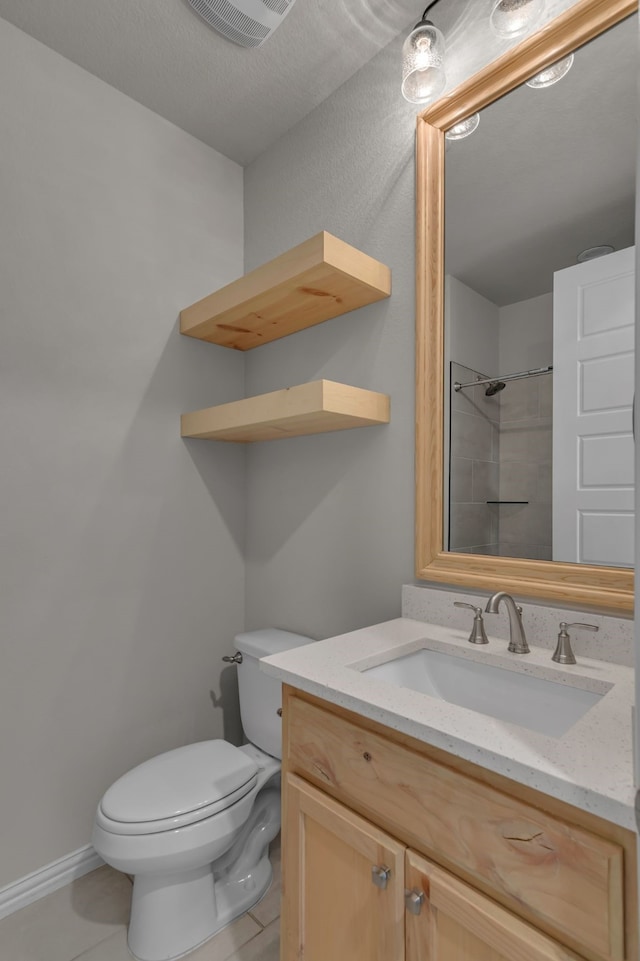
(590, 766)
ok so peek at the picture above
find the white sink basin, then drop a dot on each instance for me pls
(536, 703)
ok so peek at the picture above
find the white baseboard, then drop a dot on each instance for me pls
(47, 879)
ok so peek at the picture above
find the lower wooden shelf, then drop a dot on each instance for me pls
(313, 408)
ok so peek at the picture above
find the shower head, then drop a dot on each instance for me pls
(494, 387)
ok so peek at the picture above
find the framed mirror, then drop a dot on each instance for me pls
(597, 578)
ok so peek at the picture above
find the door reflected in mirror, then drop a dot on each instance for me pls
(539, 317)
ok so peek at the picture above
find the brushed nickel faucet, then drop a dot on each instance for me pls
(517, 638)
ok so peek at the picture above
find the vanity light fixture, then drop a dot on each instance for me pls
(551, 74)
(513, 18)
(423, 76)
(464, 128)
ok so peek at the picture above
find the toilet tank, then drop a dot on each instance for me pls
(261, 695)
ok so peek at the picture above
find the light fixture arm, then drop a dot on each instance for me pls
(432, 4)
(424, 15)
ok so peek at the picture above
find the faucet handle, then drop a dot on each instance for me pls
(563, 653)
(478, 634)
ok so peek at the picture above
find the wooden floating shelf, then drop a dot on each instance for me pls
(319, 279)
(312, 408)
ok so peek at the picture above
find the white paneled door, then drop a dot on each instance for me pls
(593, 387)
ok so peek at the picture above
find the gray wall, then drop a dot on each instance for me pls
(526, 441)
(472, 328)
(121, 569)
(330, 518)
(526, 334)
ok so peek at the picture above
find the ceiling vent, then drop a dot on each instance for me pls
(246, 22)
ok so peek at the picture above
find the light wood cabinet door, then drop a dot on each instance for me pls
(332, 907)
(457, 923)
(569, 880)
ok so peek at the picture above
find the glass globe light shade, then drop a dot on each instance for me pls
(423, 76)
(512, 18)
(464, 128)
(551, 74)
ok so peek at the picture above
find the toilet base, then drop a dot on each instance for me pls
(173, 913)
(171, 916)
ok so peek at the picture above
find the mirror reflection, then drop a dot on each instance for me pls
(539, 316)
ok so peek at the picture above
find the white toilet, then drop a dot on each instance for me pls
(193, 825)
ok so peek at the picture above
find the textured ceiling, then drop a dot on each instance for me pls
(160, 53)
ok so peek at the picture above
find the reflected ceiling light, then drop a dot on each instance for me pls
(550, 75)
(423, 76)
(591, 253)
(464, 128)
(513, 18)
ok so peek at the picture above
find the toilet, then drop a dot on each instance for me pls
(193, 825)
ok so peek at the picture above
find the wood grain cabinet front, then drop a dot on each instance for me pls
(556, 870)
(457, 923)
(353, 893)
(335, 906)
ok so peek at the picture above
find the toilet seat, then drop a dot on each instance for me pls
(178, 788)
(171, 824)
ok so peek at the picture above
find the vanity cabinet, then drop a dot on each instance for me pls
(348, 883)
(506, 872)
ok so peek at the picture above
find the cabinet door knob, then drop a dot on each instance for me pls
(414, 901)
(380, 874)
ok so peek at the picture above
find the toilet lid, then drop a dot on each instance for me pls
(178, 782)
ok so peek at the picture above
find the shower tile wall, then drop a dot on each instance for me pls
(525, 468)
(474, 470)
(501, 451)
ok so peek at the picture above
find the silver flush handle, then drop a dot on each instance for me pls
(236, 659)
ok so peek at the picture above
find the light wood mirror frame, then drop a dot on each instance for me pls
(601, 588)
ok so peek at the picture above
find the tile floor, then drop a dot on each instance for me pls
(87, 921)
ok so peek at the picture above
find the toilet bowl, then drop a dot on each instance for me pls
(193, 825)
